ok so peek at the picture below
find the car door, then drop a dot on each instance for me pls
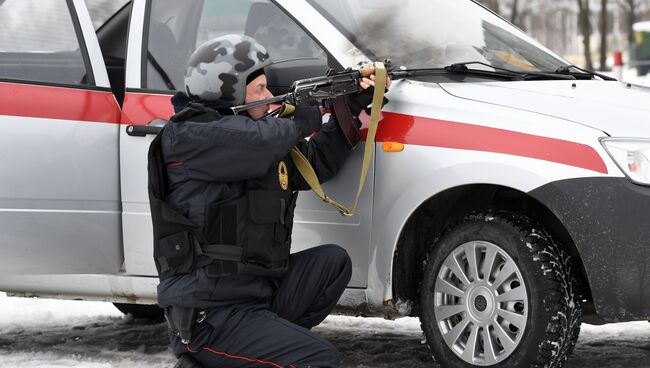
(59, 123)
(163, 35)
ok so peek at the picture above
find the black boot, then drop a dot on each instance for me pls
(186, 361)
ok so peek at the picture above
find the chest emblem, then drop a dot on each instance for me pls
(283, 175)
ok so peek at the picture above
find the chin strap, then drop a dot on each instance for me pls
(307, 171)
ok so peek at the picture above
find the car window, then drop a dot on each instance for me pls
(176, 29)
(38, 42)
(101, 10)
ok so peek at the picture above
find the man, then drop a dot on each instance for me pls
(223, 190)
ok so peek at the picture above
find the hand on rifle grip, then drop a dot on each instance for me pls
(368, 79)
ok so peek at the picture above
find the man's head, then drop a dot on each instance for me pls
(222, 69)
(256, 90)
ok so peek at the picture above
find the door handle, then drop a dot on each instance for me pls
(152, 128)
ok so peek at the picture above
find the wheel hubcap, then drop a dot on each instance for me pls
(481, 303)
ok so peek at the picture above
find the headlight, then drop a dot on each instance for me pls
(632, 156)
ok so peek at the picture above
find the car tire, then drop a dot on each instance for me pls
(499, 291)
(145, 311)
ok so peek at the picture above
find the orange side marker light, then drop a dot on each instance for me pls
(392, 147)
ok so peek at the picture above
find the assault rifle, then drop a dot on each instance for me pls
(315, 90)
(330, 86)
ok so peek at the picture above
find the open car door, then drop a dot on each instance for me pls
(59, 121)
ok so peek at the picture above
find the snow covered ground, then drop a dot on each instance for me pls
(56, 333)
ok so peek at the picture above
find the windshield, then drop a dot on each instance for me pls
(435, 33)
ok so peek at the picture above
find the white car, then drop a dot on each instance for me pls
(509, 195)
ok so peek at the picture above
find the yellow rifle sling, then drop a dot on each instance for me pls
(307, 171)
(286, 110)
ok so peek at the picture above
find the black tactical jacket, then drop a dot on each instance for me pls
(210, 157)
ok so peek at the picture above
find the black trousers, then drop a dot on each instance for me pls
(276, 334)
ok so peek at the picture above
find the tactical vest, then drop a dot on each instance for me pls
(250, 235)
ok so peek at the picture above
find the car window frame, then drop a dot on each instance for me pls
(81, 40)
(144, 48)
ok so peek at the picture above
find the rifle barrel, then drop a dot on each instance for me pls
(237, 109)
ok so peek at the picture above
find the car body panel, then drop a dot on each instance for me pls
(616, 108)
(59, 201)
(138, 109)
(111, 288)
(607, 219)
(439, 154)
(525, 136)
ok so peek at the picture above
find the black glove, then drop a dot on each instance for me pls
(308, 119)
(360, 101)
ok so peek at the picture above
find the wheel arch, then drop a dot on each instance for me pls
(448, 207)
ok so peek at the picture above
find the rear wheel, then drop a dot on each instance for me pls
(498, 291)
(147, 311)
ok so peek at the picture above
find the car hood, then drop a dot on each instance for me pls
(618, 109)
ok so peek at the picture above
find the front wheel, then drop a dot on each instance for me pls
(498, 291)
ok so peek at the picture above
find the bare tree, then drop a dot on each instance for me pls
(603, 34)
(585, 29)
(514, 15)
(630, 8)
(492, 4)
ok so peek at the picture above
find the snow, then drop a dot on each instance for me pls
(630, 75)
(42, 333)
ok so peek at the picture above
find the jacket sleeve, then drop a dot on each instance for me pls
(326, 152)
(232, 148)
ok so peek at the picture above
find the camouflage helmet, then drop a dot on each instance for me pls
(218, 69)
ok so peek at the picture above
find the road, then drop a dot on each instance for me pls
(53, 333)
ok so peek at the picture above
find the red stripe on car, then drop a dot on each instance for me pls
(142, 108)
(416, 130)
(30, 100)
(422, 131)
